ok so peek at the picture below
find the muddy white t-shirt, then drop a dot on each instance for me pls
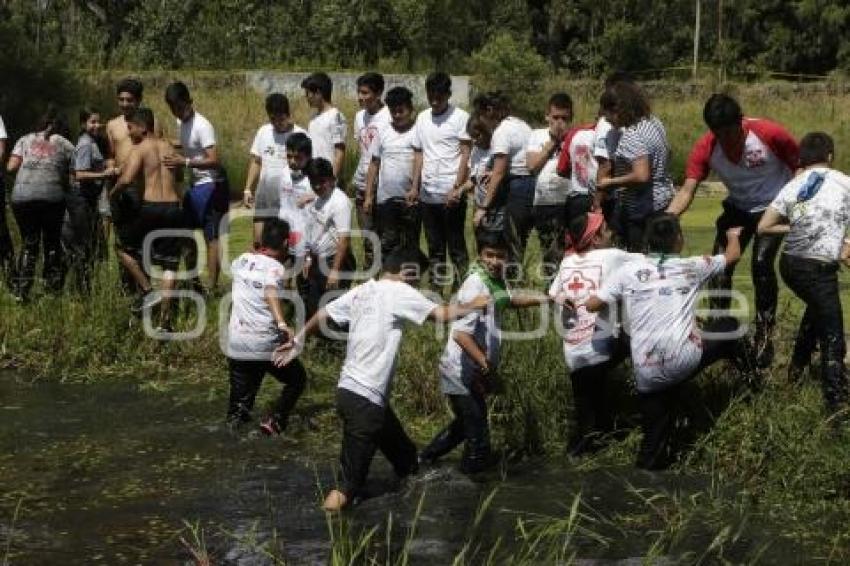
(294, 186)
(439, 138)
(269, 147)
(660, 298)
(375, 313)
(606, 139)
(480, 168)
(510, 138)
(196, 136)
(395, 151)
(579, 276)
(366, 128)
(456, 368)
(819, 224)
(550, 187)
(327, 130)
(252, 333)
(3, 134)
(328, 218)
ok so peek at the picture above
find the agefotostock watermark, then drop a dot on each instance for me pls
(528, 327)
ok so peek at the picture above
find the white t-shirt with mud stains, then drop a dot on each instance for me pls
(252, 333)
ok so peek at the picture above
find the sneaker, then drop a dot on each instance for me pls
(270, 427)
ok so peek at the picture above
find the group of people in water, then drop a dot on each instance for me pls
(599, 196)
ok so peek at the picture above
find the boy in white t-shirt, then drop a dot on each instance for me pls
(813, 212)
(592, 345)
(439, 170)
(396, 219)
(376, 313)
(256, 328)
(542, 153)
(471, 356)
(295, 194)
(368, 122)
(267, 165)
(327, 127)
(207, 200)
(659, 294)
(328, 229)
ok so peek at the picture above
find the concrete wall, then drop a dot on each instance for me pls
(345, 84)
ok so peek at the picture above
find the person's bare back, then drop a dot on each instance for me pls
(120, 144)
(160, 182)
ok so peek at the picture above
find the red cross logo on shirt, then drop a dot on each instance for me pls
(576, 285)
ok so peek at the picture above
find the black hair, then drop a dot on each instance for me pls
(576, 227)
(494, 100)
(319, 169)
(372, 81)
(405, 257)
(86, 112)
(438, 83)
(475, 125)
(561, 100)
(299, 142)
(816, 147)
(53, 122)
(319, 82)
(277, 104)
(399, 96)
(177, 92)
(663, 231)
(143, 115)
(491, 239)
(629, 102)
(619, 76)
(722, 111)
(275, 234)
(133, 86)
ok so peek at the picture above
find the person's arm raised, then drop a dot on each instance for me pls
(773, 223)
(453, 311)
(733, 245)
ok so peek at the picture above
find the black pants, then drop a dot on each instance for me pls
(591, 414)
(520, 217)
(7, 248)
(40, 223)
(469, 426)
(397, 225)
(246, 377)
(444, 228)
(366, 223)
(83, 236)
(816, 283)
(316, 284)
(765, 250)
(658, 408)
(367, 427)
(549, 223)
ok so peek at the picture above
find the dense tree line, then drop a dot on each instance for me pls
(583, 37)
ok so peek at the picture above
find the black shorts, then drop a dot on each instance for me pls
(153, 216)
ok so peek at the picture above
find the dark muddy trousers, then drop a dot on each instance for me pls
(40, 223)
(397, 225)
(83, 236)
(445, 228)
(765, 250)
(816, 283)
(519, 212)
(658, 408)
(314, 287)
(246, 377)
(365, 223)
(367, 427)
(591, 414)
(7, 248)
(469, 426)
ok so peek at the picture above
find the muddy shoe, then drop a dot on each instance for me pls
(270, 427)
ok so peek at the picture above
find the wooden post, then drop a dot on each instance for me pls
(696, 41)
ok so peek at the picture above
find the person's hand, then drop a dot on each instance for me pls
(453, 198)
(734, 233)
(288, 351)
(478, 216)
(412, 197)
(305, 200)
(557, 131)
(247, 199)
(174, 161)
(603, 184)
(333, 279)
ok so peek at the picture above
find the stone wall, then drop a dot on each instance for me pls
(345, 84)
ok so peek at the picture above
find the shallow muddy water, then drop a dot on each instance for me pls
(111, 474)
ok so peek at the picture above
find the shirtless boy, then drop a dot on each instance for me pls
(159, 210)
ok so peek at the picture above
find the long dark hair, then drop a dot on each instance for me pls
(53, 122)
